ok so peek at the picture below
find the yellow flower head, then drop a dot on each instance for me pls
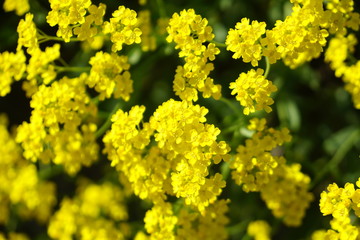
(260, 230)
(109, 76)
(65, 14)
(12, 67)
(190, 32)
(20, 6)
(123, 28)
(244, 40)
(253, 91)
(27, 34)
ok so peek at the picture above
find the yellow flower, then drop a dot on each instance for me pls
(253, 91)
(339, 202)
(160, 221)
(190, 32)
(89, 216)
(65, 14)
(259, 229)
(122, 28)
(244, 40)
(20, 6)
(109, 76)
(27, 34)
(41, 68)
(88, 29)
(12, 67)
(56, 130)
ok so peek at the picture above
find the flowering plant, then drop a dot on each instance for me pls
(149, 120)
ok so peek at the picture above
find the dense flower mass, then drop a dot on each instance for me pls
(118, 143)
(57, 131)
(185, 149)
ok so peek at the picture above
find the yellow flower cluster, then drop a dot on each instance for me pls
(258, 168)
(259, 230)
(20, 6)
(20, 184)
(210, 225)
(255, 162)
(40, 68)
(14, 236)
(109, 76)
(123, 28)
(339, 202)
(340, 16)
(341, 47)
(89, 29)
(77, 17)
(57, 130)
(178, 165)
(170, 157)
(190, 32)
(244, 40)
(12, 67)
(91, 214)
(161, 223)
(287, 194)
(253, 91)
(299, 38)
(27, 34)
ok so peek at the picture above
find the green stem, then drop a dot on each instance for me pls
(161, 7)
(337, 158)
(218, 44)
(72, 69)
(108, 122)
(229, 103)
(238, 229)
(225, 170)
(267, 67)
(62, 61)
(43, 37)
(47, 171)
